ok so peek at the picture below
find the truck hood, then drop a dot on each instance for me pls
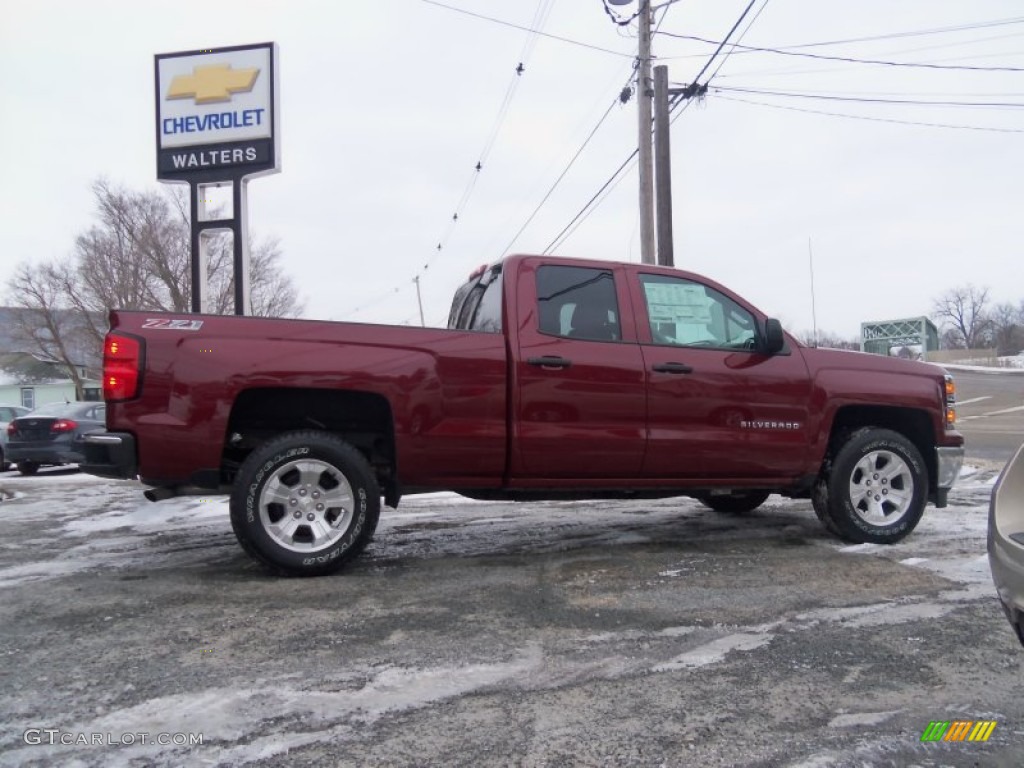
(819, 359)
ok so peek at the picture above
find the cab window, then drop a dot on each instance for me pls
(578, 303)
(689, 314)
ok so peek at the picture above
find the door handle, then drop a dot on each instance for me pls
(672, 368)
(549, 361)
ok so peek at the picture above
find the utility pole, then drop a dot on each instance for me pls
(643, 94)
(419, 300)
(663, 164)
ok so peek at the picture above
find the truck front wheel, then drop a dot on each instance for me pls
(877, 488)
(304, 504)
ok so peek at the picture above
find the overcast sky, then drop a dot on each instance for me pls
(387, 106)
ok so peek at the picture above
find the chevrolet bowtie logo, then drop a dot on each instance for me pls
(212, 83)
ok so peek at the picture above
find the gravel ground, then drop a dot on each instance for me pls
(477, 634)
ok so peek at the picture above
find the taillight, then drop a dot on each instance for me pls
(11, 429)
(122, 365)
(64, 425)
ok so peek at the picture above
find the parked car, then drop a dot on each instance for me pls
(7, 413)
(1006, 540)
(52, 434)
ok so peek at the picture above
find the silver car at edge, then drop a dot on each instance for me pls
(1006, 540)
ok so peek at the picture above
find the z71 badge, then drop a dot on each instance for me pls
(166, 324)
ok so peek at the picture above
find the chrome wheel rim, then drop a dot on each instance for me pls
(881, 488)
(306, 505)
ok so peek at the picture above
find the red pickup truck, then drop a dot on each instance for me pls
(556, 378)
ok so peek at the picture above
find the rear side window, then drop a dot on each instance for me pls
(487, 316)
(477, 304)
(578, 303)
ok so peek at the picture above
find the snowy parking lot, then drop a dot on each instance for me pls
(546, 634)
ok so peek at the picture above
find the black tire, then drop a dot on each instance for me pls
(877, 488)
(4, 463)
(307, 466)
(28, 467)
(735, 503)
(819, 500)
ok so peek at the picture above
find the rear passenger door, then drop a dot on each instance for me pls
(579, 404)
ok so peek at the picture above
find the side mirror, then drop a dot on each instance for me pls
(774, 339)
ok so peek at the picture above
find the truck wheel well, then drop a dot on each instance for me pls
(361, 419)
(913, 424)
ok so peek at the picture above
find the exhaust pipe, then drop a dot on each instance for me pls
(159, 494)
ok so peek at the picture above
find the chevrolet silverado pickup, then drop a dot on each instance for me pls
(555, 378)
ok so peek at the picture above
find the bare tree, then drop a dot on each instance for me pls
(272, 293)
(964, 310)
(135, 256)
(1008, 328)
(45, 325)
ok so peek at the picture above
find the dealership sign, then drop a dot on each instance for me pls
(216, 113)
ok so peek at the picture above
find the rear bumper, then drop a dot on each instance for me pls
(1006, 540)
(44, 453)
(111, 454)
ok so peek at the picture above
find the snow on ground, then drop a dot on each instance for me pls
(120, 529)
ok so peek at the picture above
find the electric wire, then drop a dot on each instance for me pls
(564, 172)
(914, 33)
(871, 100)
(540, 16)
(850, 59)
(889, 36)
(601, 197)
(595, 200)
(734, 46)
(504, 23)
(916, 123)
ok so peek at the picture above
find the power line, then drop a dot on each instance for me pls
(872, 119)
(848, 59)
(527, 29)
(590, 202)
(734, 45)
(722, 44)
(539, 18)
(914, 33)
(889, 36)
(620, 99)
(565, 171)
(582, 214)
(602, 196)
(864, 100)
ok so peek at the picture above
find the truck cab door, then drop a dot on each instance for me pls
(719, 405)
(579, 406)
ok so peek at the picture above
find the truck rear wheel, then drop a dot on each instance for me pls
(304, 504)
(877, 488)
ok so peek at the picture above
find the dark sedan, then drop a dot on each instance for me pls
(52, 434)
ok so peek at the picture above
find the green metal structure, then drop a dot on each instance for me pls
(880, 337)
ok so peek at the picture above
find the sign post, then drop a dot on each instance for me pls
(217, 123)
